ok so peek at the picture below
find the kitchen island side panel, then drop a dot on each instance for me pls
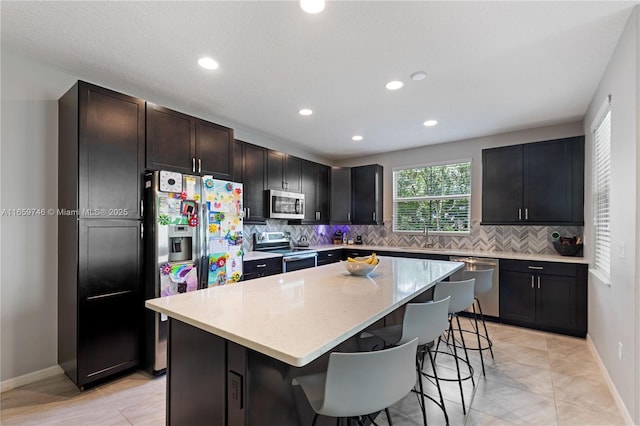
(196, 376)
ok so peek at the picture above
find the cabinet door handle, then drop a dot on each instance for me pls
(349, 217)
(531, 281)
(262, 265)
(193, 164)
(538, 281)
(141, 208)
(199, 165)
(374, 216)
(329, 254)
(526, 214)
(248, 212)
(538, 268)
(519, 214)
(142, 231)
(317, 215)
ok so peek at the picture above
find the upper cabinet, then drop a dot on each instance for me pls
(101, 146)
(366, 192)
(284, 172)
(250, 168)
(315, 187)
(340, 195)
(182, 143)
(539, 183)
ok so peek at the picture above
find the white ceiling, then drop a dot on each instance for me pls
(491, 67)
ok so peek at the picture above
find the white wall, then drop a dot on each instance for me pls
(470, 148)
(29, 168)
(612, 310)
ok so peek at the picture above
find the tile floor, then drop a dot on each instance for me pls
(536, 378)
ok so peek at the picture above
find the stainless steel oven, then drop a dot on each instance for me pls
(293, 258)
(286, 205)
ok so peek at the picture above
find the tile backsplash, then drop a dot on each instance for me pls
(519, 239)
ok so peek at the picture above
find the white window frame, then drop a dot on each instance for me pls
(601, 193)
(459, 196)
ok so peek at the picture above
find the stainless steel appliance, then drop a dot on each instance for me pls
(491, 300)
(193, 240)
(286, 205)
(293, 258)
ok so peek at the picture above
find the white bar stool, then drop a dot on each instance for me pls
(461, 294)
(360, 383)
(484, 284)
(426, 321)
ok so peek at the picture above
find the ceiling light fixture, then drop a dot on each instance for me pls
(357, 138)
(208, 63)
(312, 6)
(430, 123)
(418, 75)
(394, 85)
(305, 111)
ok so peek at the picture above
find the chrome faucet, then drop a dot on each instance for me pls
(425, 232)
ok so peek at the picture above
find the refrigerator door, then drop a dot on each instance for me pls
(173, 248)
(222, 204)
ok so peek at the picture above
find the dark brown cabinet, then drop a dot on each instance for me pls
(250, 168)
(261, 268)
(284, 172)
(101, 161)
(182, 143)
(315, 187)
(544, 295)
(340, 205)
(534, 184)
(326, 257)
(366, 193)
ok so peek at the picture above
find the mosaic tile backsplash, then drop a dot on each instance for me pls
(518, 239)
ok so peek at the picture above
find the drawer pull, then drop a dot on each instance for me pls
(263, 265)
(538, 268)
(330, 255)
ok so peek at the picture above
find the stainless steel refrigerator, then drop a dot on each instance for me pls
(193, 240)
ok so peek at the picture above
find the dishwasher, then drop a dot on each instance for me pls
(490, 300)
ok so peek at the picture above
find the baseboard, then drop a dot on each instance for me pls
(29, 378)
(616, 396)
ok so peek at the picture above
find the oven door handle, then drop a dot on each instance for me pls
(299, 257)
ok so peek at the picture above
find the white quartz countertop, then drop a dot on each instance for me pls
(298, 316)
(461, 252)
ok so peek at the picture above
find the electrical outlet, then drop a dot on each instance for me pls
(620, 351)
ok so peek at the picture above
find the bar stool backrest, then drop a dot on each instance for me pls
(461, 293)
(484, 280)
(360, 383)
(426, 321)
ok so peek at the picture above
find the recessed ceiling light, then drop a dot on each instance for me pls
(430, 123)
(418, 75)
(357, 138)
(208, 63)
(394, 85)
(305, 111)
(312, 6)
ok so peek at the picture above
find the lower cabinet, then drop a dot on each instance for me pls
(544, 295)
(326, 257)
(261, 268)
(99, 300)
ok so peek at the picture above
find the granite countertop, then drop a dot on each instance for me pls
(297, 317)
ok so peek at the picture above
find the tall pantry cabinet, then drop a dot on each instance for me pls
(101, 160)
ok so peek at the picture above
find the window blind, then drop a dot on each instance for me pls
(436, 196)
(601, 195)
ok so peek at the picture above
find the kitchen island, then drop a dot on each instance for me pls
(233, 350)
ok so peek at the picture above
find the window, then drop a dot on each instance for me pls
(601, 192)
(437, 196)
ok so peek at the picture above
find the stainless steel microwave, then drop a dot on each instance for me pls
(286, 205)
